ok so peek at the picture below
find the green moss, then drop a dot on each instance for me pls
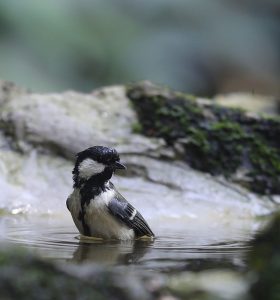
(217, 140)
(217, 149)
(188, 97)
(265, 173)
(199, 138)
(137, 127)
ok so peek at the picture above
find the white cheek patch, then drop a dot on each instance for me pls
(89, 167)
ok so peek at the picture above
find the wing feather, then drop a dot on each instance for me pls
(127, 214)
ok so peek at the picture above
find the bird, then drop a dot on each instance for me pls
(97, 208)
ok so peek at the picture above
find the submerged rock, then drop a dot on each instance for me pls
(212, 138)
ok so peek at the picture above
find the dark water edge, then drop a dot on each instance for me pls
(173, 250)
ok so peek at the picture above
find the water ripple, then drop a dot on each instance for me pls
(168, 252)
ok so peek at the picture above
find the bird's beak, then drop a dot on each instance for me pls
(118, 165)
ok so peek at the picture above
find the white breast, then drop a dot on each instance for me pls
(100, 222)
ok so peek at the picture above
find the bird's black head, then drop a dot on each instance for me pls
(98, 161)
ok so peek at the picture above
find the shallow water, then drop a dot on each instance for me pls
(174, 249)
(204, 226)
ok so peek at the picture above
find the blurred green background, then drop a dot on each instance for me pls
(198, 46)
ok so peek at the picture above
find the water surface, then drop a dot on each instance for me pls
(175, 249)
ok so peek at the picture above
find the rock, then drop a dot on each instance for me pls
(249, 102)
(36, 183)
(209, 285)
(37, 180)
(213, 138)
(70, 122)
(208, 137)
(24, 276)
(9, 90)
(197, 194)
(264, 259)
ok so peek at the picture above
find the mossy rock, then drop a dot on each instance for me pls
(265, 261)
(215, 139)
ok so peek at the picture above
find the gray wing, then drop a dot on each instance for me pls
(127, 214)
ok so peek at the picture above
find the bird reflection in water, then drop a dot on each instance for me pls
(111, 252)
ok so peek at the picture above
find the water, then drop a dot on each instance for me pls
(199, 224)
(173, 250)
